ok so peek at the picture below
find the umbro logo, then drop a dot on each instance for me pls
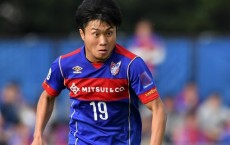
(77, 69)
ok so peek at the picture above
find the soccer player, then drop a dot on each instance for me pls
(105, 83)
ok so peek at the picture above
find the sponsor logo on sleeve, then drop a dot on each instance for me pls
(146, 80)
(152, 91)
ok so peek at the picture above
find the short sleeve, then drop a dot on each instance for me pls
(141, 81)
(54, 82)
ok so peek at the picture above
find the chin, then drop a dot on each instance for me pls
(102, 59)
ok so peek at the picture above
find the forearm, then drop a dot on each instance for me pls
(44, 111)
(158, 127)
(159, 118)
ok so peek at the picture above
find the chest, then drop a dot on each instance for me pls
(109, 82)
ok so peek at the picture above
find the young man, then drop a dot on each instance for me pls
(105, 82)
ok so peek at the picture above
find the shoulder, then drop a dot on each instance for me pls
(124, 52)
(65, 61)
(73, 53)
(130, 58)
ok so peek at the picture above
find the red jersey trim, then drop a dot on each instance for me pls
(71, 53)
(97, 65)
(50, 90)
(149, 95)
(121, 50)
(99, 89)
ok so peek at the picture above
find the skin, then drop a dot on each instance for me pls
(99, 39)
(44, 111)
(158, 121)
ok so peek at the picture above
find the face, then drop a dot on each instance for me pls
(99, 39)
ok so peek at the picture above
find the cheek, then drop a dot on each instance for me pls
(89, 41)
(112, 41)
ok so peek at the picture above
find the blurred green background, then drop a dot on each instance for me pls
(170, 17)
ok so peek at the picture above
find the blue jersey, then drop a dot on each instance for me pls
(104, 96)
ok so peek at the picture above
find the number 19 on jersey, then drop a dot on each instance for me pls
(99, 110)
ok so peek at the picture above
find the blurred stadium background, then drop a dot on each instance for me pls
(196, 39)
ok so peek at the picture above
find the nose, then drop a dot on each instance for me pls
(103, 40)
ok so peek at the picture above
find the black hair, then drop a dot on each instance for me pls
(104, 10)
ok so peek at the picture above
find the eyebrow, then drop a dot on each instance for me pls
(111, 27)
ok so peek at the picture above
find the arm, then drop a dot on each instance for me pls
(158, 121)
(44, 111)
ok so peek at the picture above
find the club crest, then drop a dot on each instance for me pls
(115, 67)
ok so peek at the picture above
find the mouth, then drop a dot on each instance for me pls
(103, 51)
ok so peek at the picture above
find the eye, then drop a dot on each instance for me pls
(95, 34)
(109, 33)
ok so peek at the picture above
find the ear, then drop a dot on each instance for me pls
(82, 34)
